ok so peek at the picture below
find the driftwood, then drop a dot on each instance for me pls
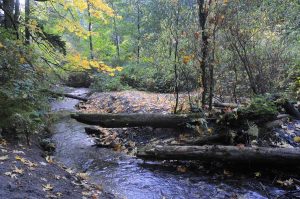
(234, 154)
(137, 120)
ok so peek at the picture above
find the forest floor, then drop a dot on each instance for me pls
(25, 172)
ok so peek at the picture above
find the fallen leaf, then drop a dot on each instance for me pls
(5, 157)
(70, 171)
(3, 150)
(26, 162)
(59, 194)
(43, 163)
(44, 179)
(227, 173)
(181, 169)
(290, 131)
(17, 170)
(85, 193)
(57, 177)
(10, 174)
(118, 147)
(257, 174)
(49, 159)
(18, 152)
(47, 187)
(297, 139)
(286, 183)
(82, 176)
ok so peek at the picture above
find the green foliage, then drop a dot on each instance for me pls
(294, 82)
(261, 105)
(148, 78)
(21, 102)
(105, 83)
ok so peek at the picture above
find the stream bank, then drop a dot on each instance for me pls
(127, 177)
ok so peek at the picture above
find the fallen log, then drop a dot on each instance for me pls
(221, 138)
(68, 96)
(59, 94)
(224, 105)
(137, 120)
(223, 153)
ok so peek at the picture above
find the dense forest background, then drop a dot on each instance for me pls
(214, 48)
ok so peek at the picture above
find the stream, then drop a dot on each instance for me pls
(128, 177)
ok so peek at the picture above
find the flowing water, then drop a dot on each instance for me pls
(128, 177)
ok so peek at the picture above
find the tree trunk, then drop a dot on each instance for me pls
(137, 120)
(139, 30)
(176, 59)
(90, 31)
(116, 34)
(8, 7)
(204, 48)
(223, 153)
(17, 12)
(27, 15)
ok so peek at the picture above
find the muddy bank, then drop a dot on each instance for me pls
(24, 173)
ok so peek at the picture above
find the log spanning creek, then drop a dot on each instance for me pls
(128, 177)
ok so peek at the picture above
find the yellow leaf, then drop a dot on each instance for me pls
(297, 139)
(119, 68)
(22, 60)
(1, 45)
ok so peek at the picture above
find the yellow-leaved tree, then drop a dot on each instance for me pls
(75, 17)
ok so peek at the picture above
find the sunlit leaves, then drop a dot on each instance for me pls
(82, 63)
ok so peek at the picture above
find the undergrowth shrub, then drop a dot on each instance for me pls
(22, 77)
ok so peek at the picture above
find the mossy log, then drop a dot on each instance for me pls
(137, 120)
(229, 154)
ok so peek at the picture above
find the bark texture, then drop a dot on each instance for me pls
(136, 120)
(234, 154)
